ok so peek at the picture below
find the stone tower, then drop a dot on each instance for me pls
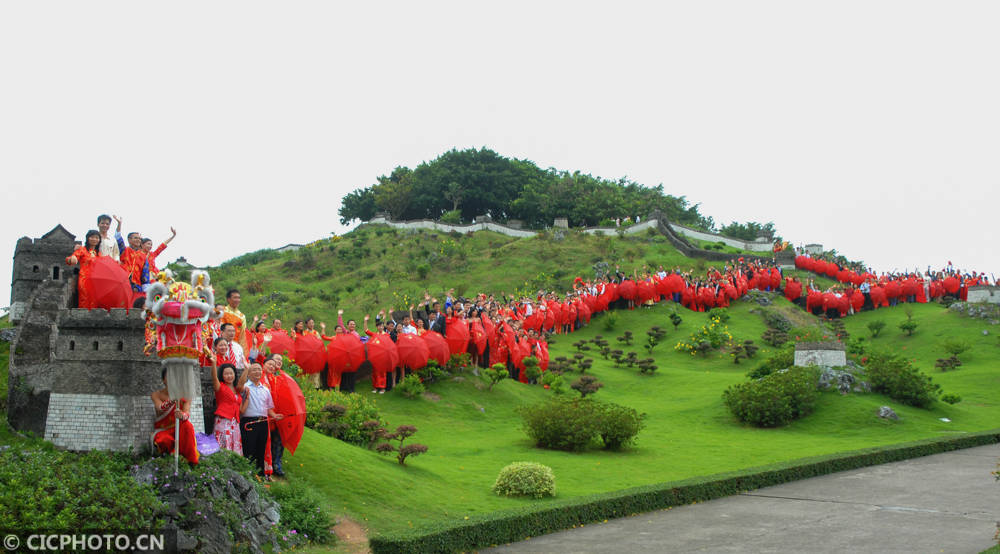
(38, 260)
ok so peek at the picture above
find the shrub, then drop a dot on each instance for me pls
(908, 326)
(45, 489)
(494, 374)
(776, 321)
(653, 337)
(720, 315)
(610, 321)
(676, 320)
(711, 335)
(944, 364)
(875, 327)
(553, 381)
(774, 400)
(955, 347)
(774, 337)
(302, 513)
(402, 433)
(525, 479)
(894, 376)
(780, 359)
(423, 270)
(411, 386)
(747, 349)
(346, 425)
(531, 369)
(587, 384)
(951, 398)
(452, 217)
(626, 338)
(618, 425)
(560, 424)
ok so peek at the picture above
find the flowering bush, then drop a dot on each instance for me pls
(712, 335)
(525, 479)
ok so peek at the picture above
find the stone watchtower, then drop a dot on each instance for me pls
(77, 377)
(36, 261)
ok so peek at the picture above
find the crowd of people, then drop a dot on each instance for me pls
(137, 257)
(245, 360)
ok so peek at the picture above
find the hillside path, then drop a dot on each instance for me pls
(941, 503)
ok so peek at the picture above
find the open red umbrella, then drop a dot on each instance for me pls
(458, 335)
(584, 310)
(310, 354)
(479, 335)
(646, 291)
(290, 402)
(345, 353)
(628, 290)
(109, 284)
(280, 343)
(413, 352)
(382, 353)
(543, 355)
(437, 347)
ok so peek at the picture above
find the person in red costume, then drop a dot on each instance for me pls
(84, 256)
(227, 407)
(131, 257)
(168, 414)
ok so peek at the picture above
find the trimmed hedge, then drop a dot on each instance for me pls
(557, 515)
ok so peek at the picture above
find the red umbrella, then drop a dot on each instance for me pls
(382, 353)
(345, 353)
(458, 335)
(290, 402)
(310, 354)
(479, 335)
(413, 352)
(647, 291)
(109, 284)
(584, 311)
(543, 355)
(627, 290)
(280, 342)
(437, 347)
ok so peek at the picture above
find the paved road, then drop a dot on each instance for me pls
(942, 503)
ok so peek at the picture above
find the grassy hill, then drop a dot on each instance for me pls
(377, 266)
(471, 433)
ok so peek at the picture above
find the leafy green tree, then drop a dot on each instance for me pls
(358, 204)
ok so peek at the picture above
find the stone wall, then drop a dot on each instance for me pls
(79, 377)
(830, 354)
(653, 221)
(104, 421)
(751, 246)
(37, 260)
(984, 293)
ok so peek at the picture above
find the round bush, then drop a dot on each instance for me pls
(525, 479)
(774, 400)
(561, 424)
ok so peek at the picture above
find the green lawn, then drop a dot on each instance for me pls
(472, 433)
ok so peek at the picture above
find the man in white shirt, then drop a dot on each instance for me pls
(229, 333)
(109, 245)
(257, 407)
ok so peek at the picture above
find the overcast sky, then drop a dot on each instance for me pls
(870, 127)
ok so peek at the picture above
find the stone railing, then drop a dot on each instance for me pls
(484, 224)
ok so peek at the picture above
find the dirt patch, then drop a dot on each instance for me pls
(431, 396)
(351, 536)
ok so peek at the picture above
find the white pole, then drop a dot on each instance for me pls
(177, 438)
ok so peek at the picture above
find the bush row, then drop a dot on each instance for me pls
(556, 515)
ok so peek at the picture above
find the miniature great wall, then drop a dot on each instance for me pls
(78, 377)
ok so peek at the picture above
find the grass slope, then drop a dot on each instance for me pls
(376, 267)
(472, 433)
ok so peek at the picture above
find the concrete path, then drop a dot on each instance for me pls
(942, 503)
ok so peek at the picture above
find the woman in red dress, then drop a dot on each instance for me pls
(227, 407)
(170, 413)
(85, 256)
